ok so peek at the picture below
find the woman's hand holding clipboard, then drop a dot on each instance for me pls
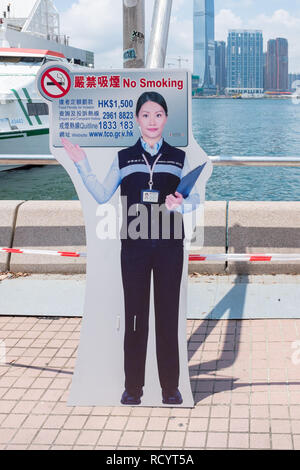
(188, 181)
(184, 188)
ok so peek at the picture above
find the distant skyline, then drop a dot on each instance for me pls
(91, 25)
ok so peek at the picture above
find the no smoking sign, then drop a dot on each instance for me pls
(55, 82)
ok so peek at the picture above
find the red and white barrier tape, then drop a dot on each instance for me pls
(44, 252)
(246, 257)
(192, 257)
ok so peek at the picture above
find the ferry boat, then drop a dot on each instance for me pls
(27, 43)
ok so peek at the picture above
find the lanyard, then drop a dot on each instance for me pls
(151, 170)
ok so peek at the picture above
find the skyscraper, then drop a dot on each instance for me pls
(204, 45)
(277, 66)
(245, 62)
(220, 52)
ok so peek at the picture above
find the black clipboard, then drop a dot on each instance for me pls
(188, 181)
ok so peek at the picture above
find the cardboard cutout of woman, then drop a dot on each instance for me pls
(148, 174)
(133, 348)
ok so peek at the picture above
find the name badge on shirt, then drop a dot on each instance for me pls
(149, 196)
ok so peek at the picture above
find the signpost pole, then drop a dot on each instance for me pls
(134, 33)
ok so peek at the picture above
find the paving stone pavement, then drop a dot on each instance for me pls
(245, 377)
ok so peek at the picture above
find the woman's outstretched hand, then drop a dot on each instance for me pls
(172, 202)
(74, 151)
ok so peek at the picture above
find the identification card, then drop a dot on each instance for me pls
(149, 196)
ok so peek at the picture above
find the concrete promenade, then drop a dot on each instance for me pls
(245, 378)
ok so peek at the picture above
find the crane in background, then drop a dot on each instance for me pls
(179, 59)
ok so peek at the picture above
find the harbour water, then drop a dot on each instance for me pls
(246, 127)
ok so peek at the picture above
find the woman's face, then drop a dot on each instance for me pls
(152, 120)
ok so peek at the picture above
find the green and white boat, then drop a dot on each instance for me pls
(27, 43)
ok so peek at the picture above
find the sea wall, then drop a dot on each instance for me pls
(233, 227)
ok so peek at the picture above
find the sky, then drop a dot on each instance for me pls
(96, 25)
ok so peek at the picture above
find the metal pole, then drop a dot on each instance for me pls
(159, 34)
(134, 33)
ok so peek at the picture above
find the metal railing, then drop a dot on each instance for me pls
(267, 160)
(226, 160)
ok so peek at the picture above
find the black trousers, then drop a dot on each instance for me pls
(138, 260)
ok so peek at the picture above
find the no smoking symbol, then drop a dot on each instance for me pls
(55, 82)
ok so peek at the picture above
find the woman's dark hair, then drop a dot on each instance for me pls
(151, 96)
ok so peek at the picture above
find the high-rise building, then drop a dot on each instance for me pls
(220, 53)
(277, 67)
(271, 66)
(204, 45)
(245, 62)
